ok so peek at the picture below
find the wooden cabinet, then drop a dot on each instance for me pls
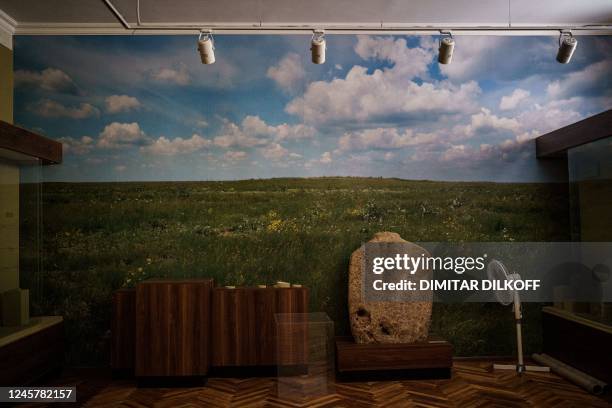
(173, 327)
(123, 331)
(588, 350)
(243, 325)
(179, 328)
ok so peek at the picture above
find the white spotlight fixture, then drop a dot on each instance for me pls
(317, 46)
(445, 49)
(206, 47)
(567, 46)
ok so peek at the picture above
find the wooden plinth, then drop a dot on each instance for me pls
(123, 331)
(432, 359)
(243, 325)
(173, 328)
(32, 352)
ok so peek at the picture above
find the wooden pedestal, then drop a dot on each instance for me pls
(431, 359)
(173, 328)
(31, 352)
(123, 331)
(243, 325)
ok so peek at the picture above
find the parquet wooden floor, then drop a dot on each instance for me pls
(473, 384)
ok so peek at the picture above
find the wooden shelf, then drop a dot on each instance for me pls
(28, 143)
(556, 143)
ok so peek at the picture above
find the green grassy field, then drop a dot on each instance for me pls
(102, 236)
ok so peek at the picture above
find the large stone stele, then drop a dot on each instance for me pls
(385, 322)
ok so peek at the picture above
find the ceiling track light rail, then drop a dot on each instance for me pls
(318, 46)
(356, 28)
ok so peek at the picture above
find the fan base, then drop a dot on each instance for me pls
(519, 368)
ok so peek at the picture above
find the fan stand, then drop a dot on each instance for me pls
(520, 367)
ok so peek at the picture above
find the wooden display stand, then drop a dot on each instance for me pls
(431, 359)
(166, 330)
(243, 326)
(172, 328)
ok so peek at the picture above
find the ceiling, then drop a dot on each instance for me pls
(87, 16)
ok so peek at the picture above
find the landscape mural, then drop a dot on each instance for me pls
(265, 167)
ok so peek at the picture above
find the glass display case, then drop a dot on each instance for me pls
(31, 345)
(590, 178)
(305, 356)
(20, 237)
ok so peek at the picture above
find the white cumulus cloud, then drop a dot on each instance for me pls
(121, 103)
(120, 135)
(384, 138)
(178, 76)
(512, 101)
(172, 147)
(235, 155)
(52, 109)
(384, 95)
(78, 146)
(485, 122)
(289, 73)
(274, 152)
(49, 79)
(253, 132)
(594, 78)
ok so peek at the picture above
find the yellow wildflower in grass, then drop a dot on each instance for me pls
(354, 212)
(275, 225)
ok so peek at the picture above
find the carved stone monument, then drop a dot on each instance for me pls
(385, 322)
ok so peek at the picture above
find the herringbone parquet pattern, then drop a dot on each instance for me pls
(473, 384)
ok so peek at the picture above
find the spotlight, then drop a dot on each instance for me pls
(317, 47)
(567, 46)
(445, 50)
(206, 46)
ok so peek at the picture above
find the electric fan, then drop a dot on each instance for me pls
(497, 271)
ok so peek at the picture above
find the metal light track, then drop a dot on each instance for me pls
(256, 28)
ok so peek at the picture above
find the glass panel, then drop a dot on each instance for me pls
(590, 176)
(305, 356)
(20, 238)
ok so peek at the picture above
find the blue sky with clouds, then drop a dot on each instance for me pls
(145, 108)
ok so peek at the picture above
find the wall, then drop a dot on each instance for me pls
(9, 186)
(174, 168)
(6, 84)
